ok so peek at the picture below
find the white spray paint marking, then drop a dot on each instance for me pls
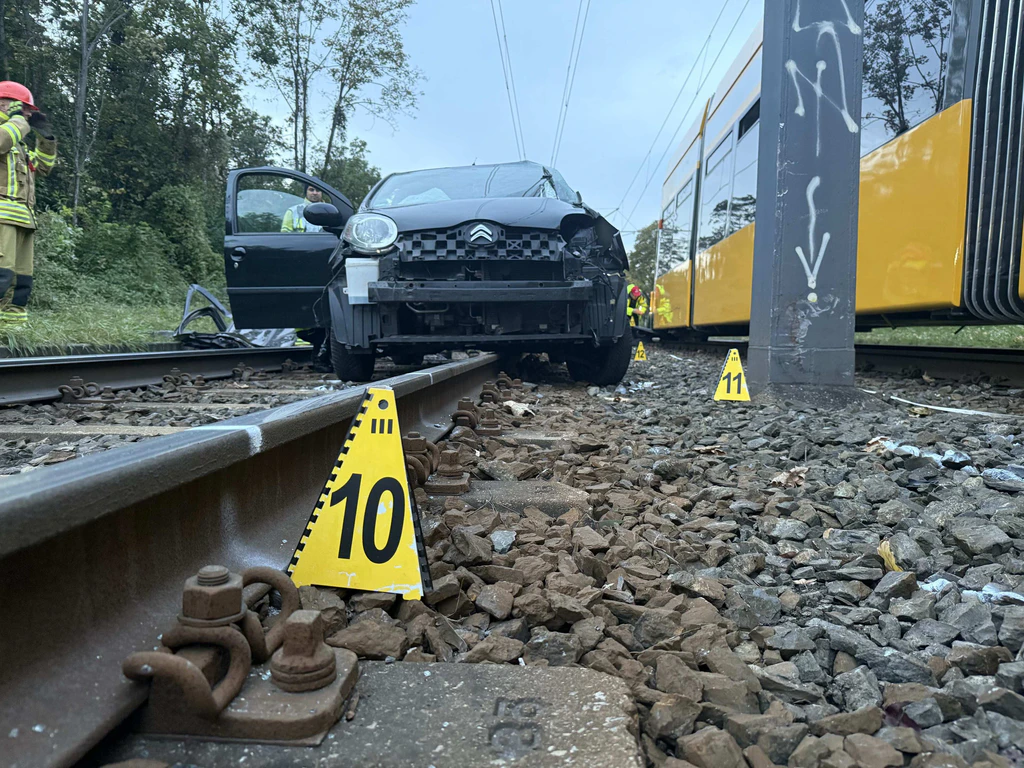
(254, 432)
(817, 255)
(823, 28)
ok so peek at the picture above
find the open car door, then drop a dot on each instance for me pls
(276, 263)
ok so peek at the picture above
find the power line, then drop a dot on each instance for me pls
(711, 69)
(570, 80)
(671, 109)
(565, 86)
(508, 90)
(511, 77)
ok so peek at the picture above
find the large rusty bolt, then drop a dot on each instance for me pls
(212, 598)
(517, 384)
(304, 662)
(451, 479)
(466, 414)
(489, 393)
(450, 465)
(414, 442)
(504, 381)
(489, 424)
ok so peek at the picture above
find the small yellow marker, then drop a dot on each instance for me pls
(732, 384)
(363, 533)
(641, 353)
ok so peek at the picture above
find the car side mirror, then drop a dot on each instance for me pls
(579, 198)
(324, 215)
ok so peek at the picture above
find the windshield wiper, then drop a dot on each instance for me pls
(545, 176)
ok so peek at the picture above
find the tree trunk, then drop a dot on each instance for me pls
(80, 94)
(3, 39)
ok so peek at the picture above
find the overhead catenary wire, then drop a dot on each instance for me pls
(512, 79)
(506, 66)
(671, 109)
(671, 142)
(570, 78)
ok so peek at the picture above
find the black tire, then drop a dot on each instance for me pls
(606, 365)
(349, 365)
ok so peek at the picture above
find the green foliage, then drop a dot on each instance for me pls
(351, 173)
(57, 281)
(642, 257)
(905, 54)
(178, 213)
(130, 264)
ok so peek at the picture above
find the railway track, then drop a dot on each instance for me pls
(96, 549)
(99, 547)
(938, 362)
(38, 379)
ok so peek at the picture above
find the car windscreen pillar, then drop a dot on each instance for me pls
(805, 244)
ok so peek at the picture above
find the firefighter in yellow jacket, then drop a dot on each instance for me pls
(19, 165)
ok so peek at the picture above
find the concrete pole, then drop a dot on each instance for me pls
(805, 244)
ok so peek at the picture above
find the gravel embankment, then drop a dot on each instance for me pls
(776, 585)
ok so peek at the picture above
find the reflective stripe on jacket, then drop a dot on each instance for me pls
(293, 221)
(18, 168)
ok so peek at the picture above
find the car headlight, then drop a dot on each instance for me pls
(370, 233)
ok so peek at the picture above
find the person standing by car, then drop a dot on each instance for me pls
(293, 220)
(18, 168)
(636, 303)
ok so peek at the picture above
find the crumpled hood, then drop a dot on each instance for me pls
(533, 212)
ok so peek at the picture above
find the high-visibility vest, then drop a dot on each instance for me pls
(18, 168)
(294, 222)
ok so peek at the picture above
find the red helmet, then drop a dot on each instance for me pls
(636, 292)
(12, 90)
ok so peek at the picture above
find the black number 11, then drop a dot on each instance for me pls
(349, 494)
(728, 382)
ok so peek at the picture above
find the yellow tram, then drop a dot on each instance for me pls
(942, 178)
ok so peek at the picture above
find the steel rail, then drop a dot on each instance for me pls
(938, 362)
(94, 552)
(35, 379)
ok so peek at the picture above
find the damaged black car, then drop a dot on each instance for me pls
(500, 257)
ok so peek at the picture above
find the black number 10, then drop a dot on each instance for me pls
(728, 382)
(349, 493)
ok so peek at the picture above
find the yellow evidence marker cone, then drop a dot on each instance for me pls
(732, 384)
(364, 532)
(641, 353)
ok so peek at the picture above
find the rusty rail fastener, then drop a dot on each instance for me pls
(264, 645)
(489, 393)
(489, 424)
(504, 381)
(204, 701)
(212, 598)
(450, 479)
(304, 662)
(417, 458)
(466, 414)
(77, 389)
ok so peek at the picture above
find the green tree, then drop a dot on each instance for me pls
(642, 257)
(351, 173)
(369, 66)
(288, 42)
(905, 57)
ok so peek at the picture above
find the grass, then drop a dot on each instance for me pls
(999, 336)
(97, 324)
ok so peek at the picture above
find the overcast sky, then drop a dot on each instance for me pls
(635, 57)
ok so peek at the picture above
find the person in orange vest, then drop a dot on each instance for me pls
(19, 166)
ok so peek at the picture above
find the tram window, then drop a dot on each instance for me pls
(906, 49)
(714, 204)
(744, 186)
(750, 119)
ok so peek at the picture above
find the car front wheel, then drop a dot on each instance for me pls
(350, 365)
(605, 365)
